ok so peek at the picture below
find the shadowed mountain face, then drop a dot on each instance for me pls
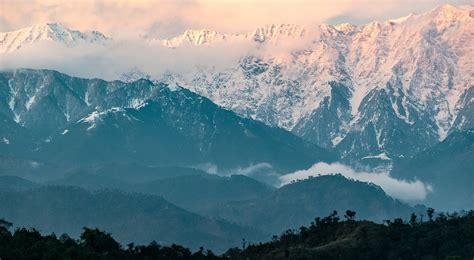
(14, 139)
(448, 167)
(83, 122)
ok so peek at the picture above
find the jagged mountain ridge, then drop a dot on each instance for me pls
(76, 121)
(56, 32)
(365, 91)
(270, 33)
(328, 90)
(448, 168)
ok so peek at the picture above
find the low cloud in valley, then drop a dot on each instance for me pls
(411, 191)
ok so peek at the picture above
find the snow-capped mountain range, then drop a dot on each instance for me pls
(15, 40)
(270, 33)
(59, 119)
(386, 89)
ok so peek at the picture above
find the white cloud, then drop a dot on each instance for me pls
(262, 172)
(167, 17)
(111, 60)
(249, 170)
(126, 21)
(410, 191)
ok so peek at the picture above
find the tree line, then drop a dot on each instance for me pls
(438, 236)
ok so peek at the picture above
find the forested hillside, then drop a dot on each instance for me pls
(444, 236)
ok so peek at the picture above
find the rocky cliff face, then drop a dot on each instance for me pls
(384, 87)
(61, 119)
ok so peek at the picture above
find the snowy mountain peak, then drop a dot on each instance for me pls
(275, 32)
(346, 28)
(450, 13)
(194, 37)
(269, 33)
(57, 32)
(447, 9)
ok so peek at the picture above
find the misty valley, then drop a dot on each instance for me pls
(306, 142)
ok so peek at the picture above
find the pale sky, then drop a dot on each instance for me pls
(170, 17)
